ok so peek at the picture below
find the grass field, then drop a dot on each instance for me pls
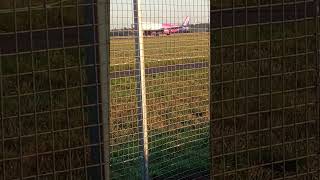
(159, 51)
(52, 95)
(177, 104)
(265, 112)
(264, 127)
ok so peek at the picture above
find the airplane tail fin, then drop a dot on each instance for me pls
(186, 21)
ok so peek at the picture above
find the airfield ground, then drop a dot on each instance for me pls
(177, 103)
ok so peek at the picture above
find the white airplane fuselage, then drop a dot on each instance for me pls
(165, 28)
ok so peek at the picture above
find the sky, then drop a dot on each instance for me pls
(159, 11)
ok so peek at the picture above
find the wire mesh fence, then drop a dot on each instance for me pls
(176, 55)
(265, 89)
(51, 125)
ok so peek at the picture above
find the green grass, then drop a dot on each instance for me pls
(52, 85)
(178, 123)
(160, 51)
(177, 105)
(269, 91)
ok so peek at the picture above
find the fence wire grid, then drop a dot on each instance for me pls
(176, 90)
(265, 89)
(51, 125)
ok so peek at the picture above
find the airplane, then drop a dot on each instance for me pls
(165, 28)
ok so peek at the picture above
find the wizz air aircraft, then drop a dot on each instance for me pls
(166, 28)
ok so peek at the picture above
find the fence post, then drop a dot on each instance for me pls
(103, 12)
(317, 51)
(141, 88)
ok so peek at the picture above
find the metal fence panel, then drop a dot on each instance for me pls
(51, 125)
(176, 90)
(264, 89)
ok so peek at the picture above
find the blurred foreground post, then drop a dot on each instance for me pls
(103, 7)
(141, 87)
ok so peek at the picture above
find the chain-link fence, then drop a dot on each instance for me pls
(51, 119)
(176, 55)
(265, 89)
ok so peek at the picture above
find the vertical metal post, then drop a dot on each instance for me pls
(317, 14)
(92, 56)
(103, 32)
(210, 90)
(141, 88)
